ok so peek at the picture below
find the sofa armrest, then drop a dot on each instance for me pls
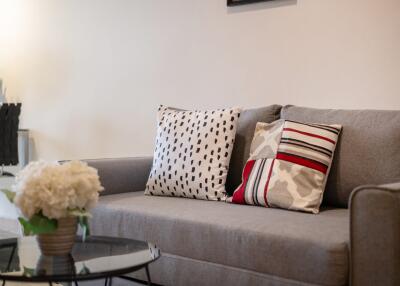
(375, 235)
(122, 175)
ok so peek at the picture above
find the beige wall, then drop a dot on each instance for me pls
(91, 73)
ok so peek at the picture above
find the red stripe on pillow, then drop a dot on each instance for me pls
(310, 134)
(302, 161)
(267, 183)
(238, 195)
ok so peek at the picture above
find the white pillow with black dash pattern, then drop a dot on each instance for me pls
(192, 153)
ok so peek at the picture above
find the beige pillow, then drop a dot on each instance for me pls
(288, 166)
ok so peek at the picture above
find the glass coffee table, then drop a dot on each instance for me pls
(96, 258)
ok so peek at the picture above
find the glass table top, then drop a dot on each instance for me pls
(97, 257)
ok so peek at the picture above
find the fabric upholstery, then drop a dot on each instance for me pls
(122, 175)
(288, 165)
(291, 245)
(192, 153)
(375, 235)
(173, 270)
(368, 151)
(244, 134)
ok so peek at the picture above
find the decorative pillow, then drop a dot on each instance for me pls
(244, 135)
(288, 166)
(192, 154)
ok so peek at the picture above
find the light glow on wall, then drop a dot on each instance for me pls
(11, 20)
(12, 35)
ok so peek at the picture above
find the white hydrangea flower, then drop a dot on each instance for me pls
(55, 189)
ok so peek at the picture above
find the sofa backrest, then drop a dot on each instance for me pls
(368, 151)
(244, 135)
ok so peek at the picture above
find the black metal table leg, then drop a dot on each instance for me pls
(148, 275)
(11, 258)
(108, 281)
(9, 262)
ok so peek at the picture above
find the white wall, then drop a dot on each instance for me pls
(91, 73)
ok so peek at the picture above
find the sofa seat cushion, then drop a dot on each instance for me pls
(292, 245)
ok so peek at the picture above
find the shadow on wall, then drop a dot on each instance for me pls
(260, 6)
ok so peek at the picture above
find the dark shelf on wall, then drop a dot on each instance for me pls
(243, 2)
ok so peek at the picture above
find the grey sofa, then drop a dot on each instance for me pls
(355, 240)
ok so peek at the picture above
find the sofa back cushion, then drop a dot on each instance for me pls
(368, 151)
(244, 135)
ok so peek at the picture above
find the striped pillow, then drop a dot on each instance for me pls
(288, 166)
